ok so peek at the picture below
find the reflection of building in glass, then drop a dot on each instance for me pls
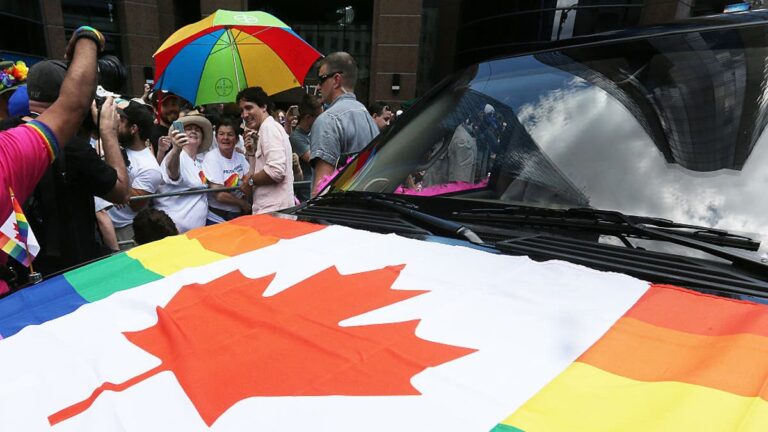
(689, 103)
(522, 170)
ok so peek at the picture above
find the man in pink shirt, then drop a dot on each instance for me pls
(271, 172)
(27, 150)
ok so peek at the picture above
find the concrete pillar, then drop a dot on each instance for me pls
(53, 22)
(140, 29)
(395, 38)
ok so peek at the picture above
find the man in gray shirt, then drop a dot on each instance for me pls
(345, 127)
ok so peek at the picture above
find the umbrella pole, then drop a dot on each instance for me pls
(234, 60)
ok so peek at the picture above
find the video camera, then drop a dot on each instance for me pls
(112, 76)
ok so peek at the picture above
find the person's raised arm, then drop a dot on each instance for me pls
(108, 123)
(66, 115)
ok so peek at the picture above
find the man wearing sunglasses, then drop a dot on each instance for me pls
(345, 127)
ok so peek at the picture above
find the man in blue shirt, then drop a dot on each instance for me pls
(345, 127)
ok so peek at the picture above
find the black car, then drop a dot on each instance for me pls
(639, 151)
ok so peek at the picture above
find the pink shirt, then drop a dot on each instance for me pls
(273, 155)
(25, 153)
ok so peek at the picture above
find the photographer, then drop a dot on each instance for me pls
(27, 150)
(61, 210)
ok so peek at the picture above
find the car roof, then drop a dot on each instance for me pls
(696, 24)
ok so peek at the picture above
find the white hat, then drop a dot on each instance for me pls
(489, 109)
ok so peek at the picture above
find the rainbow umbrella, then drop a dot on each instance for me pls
(211, 60)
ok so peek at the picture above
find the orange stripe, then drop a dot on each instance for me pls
(693, 312)
(736, 364)
(249, 233)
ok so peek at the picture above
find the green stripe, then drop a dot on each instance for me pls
(505, 428)
(223, 75)
(108, 276)
(246, 18)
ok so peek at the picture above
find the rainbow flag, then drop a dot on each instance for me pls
(678, 360)
(16, 237)
(219, 329)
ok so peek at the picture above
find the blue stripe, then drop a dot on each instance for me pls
(38, 304)
(182, 76)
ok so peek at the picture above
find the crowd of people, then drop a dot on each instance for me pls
(99, 175)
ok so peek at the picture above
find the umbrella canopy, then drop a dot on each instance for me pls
(211, 60)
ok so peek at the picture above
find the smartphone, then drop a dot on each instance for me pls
(178, 126)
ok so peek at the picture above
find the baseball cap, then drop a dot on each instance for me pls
(139, 114)
(44, 80)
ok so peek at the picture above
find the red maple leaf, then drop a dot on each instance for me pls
(225, 342)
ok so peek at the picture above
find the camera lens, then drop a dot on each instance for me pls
(112, 73)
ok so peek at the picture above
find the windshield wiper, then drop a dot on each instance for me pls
(705, 239)
(402, 207)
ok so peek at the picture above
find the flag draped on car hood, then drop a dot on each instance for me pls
(271, 324)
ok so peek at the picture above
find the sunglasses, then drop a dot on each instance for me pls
(321, 78)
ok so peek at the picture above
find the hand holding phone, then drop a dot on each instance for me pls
(178, 126)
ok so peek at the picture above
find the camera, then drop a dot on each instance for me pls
(112, 73)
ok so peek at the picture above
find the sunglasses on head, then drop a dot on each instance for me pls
(321, 79)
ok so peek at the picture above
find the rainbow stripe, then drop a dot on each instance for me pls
(677, 360)
(232, 181)
(51, 145)
(203, 178)
(14, 250)
(147, 263)
(22, 225)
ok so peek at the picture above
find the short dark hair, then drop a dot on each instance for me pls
(152, 224)
(378, 108)
(341, 61)
(255, 95)
(228, 121)
(309, 106)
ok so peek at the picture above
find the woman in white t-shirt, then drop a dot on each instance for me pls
(182, 170)
(225, 167)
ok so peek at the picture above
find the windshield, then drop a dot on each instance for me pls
(670, 126)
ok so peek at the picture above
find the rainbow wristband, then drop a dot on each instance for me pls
(91, 33)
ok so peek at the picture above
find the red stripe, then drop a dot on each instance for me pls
(297, 55)
(692, 312)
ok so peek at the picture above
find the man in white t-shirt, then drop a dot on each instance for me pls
(183, 170)
(143, 171)
(225, 167)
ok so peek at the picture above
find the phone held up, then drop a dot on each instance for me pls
(178, 126)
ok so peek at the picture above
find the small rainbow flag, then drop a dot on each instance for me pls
(203, 178)
(16, 237)
(232, 181)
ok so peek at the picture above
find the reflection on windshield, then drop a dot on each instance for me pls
(668, 127)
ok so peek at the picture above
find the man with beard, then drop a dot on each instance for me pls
(168, 109)
(143, 169)
(61, 210)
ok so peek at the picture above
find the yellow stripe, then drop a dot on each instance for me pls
(585, 398)
(187, 31)
(172, 254)
(262, 66)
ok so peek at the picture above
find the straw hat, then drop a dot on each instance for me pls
(205, 125)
